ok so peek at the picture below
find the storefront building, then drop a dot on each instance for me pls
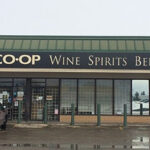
(84, 71)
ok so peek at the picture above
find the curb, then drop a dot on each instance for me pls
(30, 125)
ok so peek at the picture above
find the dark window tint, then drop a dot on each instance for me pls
(86, 97)
(19, 82)
(122, 95)
(68, 95)
(104, 95)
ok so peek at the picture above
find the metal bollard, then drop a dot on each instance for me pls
(98, 114)
(141, 109)
(45, 113)
(72, 114)
(72, 146)
(125, 116)
(19, 111)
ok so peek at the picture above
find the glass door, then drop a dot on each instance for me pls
(19, 90)
(37, 103)
(18, 95)
(45, 91)
(52, 99)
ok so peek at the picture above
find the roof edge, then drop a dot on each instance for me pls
(74, 37)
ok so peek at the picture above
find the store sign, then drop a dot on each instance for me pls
(75, 60)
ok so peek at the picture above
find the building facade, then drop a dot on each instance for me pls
(84, 71)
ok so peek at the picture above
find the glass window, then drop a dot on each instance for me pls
(86, 97)
(6, 82)
(19, 82)
(122, 95)
(140, 95)
(52, 82)
(5, 79)
(104, 95)
(68, 95)
(38, 82)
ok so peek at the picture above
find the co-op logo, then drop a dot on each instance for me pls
(22, 59)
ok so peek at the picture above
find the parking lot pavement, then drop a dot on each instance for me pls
(77, 137)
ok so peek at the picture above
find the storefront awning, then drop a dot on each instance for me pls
(75, 43)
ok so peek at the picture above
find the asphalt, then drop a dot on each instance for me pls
(75, 137)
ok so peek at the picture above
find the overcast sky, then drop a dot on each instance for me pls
(75, 17)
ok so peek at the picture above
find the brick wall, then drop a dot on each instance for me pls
(106, 119)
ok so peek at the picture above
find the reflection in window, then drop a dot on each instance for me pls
(122, 95)
(68, 95)
(104, 95)
(86, 97)
(140, 95)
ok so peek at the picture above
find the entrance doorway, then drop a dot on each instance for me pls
(52, 99)
(37, 103)
(9, 97)
(45, 91)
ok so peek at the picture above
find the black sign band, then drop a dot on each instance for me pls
(75, 60)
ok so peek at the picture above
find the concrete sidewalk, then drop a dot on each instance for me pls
(65, 136)
(74, 135)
